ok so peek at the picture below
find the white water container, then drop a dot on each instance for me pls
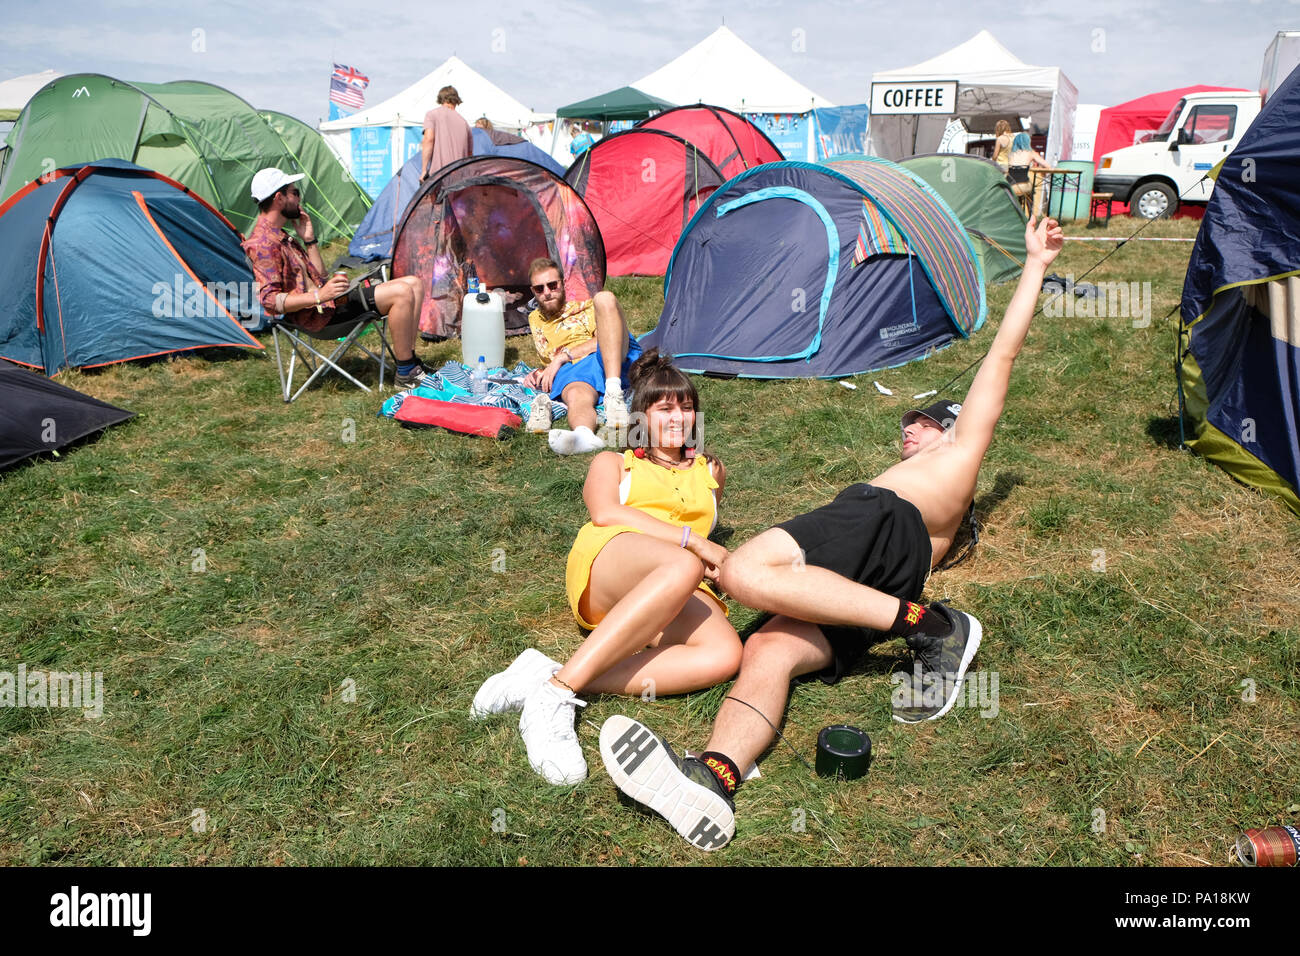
(483, 329)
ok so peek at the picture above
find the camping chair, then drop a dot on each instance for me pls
(346, 333)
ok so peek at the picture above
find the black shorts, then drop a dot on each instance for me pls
(358, 300)
(872, 536)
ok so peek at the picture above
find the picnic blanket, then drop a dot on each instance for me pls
(451, 383)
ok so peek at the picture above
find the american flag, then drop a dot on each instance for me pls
(346, 85)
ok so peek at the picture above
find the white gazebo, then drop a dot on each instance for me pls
(992, 83)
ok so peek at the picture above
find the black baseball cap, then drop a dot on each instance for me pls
(943, 413)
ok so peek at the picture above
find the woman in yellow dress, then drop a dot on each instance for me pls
(637, 579)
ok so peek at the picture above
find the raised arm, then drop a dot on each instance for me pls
(983, 406)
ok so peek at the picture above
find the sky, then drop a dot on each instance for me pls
(279, 55)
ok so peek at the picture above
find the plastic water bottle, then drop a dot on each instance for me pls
(478, 379)
(471, 283)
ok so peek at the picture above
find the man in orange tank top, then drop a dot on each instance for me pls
(837, 579)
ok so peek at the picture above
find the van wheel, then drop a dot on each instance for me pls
(1155, 201)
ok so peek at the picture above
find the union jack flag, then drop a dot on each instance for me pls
(346, 86)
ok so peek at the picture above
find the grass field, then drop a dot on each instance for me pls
(297, 692)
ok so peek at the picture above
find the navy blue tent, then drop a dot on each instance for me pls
(38, 415)
(794, 270)
(1239, 335)
(108, 262)
(374, 237)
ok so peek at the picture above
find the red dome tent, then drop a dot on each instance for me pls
(643, 185)
(733, 143)
(497, 213)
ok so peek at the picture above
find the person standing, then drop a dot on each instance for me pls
(1002, 144)
(447, 137)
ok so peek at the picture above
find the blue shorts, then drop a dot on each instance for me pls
(590, 370)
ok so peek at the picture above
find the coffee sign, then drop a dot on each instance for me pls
(910, 98)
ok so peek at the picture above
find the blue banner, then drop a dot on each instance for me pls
(787, 131)
(841, 129)
(372, 158)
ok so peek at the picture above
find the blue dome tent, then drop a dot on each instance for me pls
(1239, 334)
(109, 262)
(796, 270)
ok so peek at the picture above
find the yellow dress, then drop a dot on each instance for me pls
(677, 496)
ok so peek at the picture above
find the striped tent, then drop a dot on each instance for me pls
(795, 270)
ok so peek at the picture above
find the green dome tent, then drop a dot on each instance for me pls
(201, 135)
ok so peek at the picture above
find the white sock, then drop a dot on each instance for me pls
(614, 387)
(575, 442)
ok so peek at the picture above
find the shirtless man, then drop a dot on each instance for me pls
(837, 579)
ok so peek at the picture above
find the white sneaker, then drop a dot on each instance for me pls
(539, 416)
(547, 728)
(506, 690)
(616, 415)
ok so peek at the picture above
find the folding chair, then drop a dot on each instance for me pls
(298, 347)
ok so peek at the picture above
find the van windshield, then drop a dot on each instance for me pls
(1162, 134)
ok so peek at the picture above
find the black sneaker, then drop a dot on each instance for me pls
(940, 666)
(680, 789)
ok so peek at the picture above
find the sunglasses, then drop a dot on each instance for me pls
(544, 286)
(292, 191)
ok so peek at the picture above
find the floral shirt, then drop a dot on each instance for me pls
(576, 324)
(280, 264)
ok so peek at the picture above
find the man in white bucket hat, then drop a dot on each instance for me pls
(292, 282)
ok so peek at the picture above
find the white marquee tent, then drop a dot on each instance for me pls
(15, 93)
(724, 70)
(992, 83)
(375, 142)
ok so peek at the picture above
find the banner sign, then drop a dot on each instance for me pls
(372, 158)
(791, 133)
(841, 129)
(912, 98)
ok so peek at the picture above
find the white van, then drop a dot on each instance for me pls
(1155, 176)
